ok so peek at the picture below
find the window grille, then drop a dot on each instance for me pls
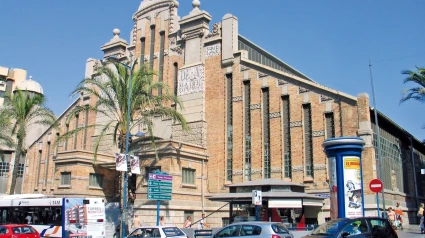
(4, 169)
(247, 122)
(188, 176)
(96, 180)
(229, 101)
(66, 178)
(286, 137)
(266, 130)
(308, 140)
(152, 46)
(330, 125)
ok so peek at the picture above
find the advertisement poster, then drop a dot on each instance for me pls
(134, 164)
(352, 187)
(84, 220)
(121, 162)
(333, 188)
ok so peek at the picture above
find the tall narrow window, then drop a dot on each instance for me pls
(85, 127)
(176, 72)
(229, 95)
(308, 140)
(161, 60)
(152, 48)
(142, 50)
(266, 129)
(66, 139)
(247, 125)
(57, 147)
(286, 137)
(75, 136)
(37, 182)
(330, 126)
(47, 163)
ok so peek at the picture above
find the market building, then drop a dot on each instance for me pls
(252, 117)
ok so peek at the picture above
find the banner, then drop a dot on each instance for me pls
(134, 164)
(353, 187)
(121, 162)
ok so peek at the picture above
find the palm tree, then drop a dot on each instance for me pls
(416, 93)
(26, 109)
(111, 88)
(6, 140)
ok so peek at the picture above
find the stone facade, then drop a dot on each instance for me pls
(197, 65)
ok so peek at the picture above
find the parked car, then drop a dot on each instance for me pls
(355, 227)
(18, 231)
(157, 231)
(255, 229)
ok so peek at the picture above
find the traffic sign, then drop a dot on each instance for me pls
(159, 190)
(160, 177)
(159, 197)
(376, 185)
(160, 183)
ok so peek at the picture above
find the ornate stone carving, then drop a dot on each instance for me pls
(165, 52)
(274, 115)
(157, 14)
(302, 90)
(97, 65)
(319, 166)
(213, 50)
(183, 37)
(155, 55)
(324, 98)
(177, 49)
(171, 14)
(172, 40)
(191, 80)
(318, 133)
(237, 99)
(148, 17)
(134, 32)
(325, 183)
(276, 170)
(254, 106)
(215, 31)
(201, 33)
(243, 68)
(237, 172)
(256, 171)
(281, 82)
(261, 75)
(295, 124)
(298, 168)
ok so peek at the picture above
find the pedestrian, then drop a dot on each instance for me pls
(161, 220)
(136, 223)
(421, 217)
(202, 223)
(187, 223)
(399, 215)
(391, 215)
(28, 218)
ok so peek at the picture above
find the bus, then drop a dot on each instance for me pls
(56, 217)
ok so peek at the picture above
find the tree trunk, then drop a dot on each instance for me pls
(16, 167)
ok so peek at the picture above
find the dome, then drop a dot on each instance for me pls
(30, 85)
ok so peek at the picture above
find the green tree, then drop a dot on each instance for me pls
(24, 109)
(111, 89)
(418, 92)
(6, 139)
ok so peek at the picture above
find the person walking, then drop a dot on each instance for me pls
(399, 215)
(202, 223)
(187, 223)
(421, 217)
(161, 220)
(391, 215)
(136, 223)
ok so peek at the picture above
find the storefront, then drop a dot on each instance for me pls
(281, 202)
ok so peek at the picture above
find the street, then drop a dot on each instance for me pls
(410, 233)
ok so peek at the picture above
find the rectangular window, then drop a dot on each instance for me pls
(75, 136)
(96, 180)
(308, 140)
(247, 125)
(229, 96)
(37, 182)
(286, 137)
(151, 170)
(85, 127)
(161, 59)
(4, 169)
(66, 178)
(142, 50)
(266, 130)
(188, 176)
(330, 126)
(152, 46)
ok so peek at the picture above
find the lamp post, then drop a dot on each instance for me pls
(127, 136)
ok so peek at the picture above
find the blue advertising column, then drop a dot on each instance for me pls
(346, 176)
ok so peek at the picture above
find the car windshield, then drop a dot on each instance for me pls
(172, 231)
(329, 228)
(279, 229)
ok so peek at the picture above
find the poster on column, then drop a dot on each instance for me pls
(333, 188)
(352, 187)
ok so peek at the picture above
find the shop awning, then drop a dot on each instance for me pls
(285, 203)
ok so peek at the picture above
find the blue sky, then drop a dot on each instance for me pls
(329, 41)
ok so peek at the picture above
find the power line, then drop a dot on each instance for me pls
(399, 58)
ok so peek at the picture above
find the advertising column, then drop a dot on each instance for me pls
(345, 175)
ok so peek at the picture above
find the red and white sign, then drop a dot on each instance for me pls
(376, 185)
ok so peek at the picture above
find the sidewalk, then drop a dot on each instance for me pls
(412, 227)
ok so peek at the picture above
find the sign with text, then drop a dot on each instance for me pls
(160, 186)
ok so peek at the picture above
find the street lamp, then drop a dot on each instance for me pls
(127, 137)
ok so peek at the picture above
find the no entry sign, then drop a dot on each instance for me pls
(376, 185)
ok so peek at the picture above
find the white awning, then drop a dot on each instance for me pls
(312, 202)
(285, 203)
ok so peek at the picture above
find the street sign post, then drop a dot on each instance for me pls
(160, 187)
(257, 200)
(376, 186)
